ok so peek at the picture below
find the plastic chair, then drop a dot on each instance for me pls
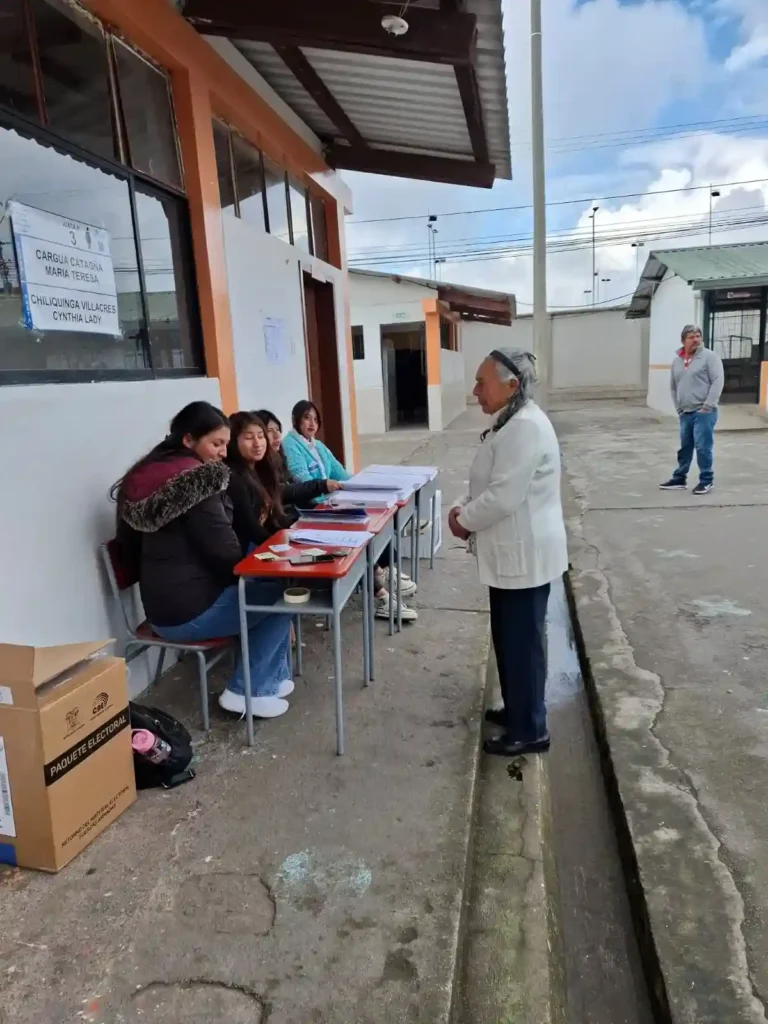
(121, 579)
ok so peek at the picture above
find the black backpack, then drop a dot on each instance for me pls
(161, 724)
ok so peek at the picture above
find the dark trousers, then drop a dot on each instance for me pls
(518, 629)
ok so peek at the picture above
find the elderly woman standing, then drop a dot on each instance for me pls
(513, 519)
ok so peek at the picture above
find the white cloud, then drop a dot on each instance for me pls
(609, 67)
(750, 53)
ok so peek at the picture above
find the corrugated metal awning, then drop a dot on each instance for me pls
(703, 267)
(430, 104)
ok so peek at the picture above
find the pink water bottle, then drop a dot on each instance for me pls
(150, 746)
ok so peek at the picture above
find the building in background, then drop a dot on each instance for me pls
(170, 230)
(596, 353)
(724, 288)
(408, 347)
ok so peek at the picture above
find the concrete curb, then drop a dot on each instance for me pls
(687, 911)
(510, 969)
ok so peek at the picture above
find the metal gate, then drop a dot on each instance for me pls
(734, 328)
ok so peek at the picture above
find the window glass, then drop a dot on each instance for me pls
(447, 334)
(73, 61)
(249, 181)
(145, 98)
(224, 167)
(43, 178)
(277, 203)
(319, 227)
(17, 80)
(358, 343)
(162, 236)
(299, 222)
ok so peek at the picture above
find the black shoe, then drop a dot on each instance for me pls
(703, 488)
(505, 746)
(496, 716)
(673, 485)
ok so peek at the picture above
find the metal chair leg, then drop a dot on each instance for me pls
(159, 669)
(203, 669)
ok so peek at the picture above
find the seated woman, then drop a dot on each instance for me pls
(309, 459)
(174, 516)
(306, 457)
(294, 493)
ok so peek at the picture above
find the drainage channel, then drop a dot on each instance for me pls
(604, 978)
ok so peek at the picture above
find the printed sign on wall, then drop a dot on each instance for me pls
(65, 271)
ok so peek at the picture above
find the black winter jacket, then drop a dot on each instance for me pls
(188, 547)
(248, 520)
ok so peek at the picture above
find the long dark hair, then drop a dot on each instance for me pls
(264, 479)
(300, 410)
(267, 417)
(195, 420)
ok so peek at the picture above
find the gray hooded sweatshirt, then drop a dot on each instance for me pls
(699, 385)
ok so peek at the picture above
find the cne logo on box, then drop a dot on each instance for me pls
(100, 704)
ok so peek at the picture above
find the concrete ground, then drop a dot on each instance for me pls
(284, 883)
(673, 609)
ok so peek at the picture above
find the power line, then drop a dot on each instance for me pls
(393, 252)
(656, 128)
(560, 202)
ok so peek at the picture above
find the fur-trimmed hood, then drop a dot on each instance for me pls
(159, 492)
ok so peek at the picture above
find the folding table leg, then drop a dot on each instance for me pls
(299, 651)
(399, 573)
(246, 660)
(371, 619)
(337, 679)
(432, 529)
(392, 583)
(415, 538)
(365, 581)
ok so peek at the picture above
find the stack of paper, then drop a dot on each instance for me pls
(402, 486)
(332, 538)
(364, 499)
(425, 473)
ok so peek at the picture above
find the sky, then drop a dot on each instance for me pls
(642, 97)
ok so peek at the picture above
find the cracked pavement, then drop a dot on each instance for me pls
(672, 602)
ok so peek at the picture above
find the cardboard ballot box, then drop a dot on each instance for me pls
(66, 766)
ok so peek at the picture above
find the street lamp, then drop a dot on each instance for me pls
(637, 246)
(713, 194)
(605, 280)
(594, 271)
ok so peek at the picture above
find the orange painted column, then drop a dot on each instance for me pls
(764, 386)
(337, 255)
(432, 319)
(193, 113)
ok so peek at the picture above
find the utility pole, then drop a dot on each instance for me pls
(713, 194)
(431, 246)
(637, 246)
(542, 341)
(592, 217)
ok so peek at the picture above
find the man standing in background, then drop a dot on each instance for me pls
(696, 381)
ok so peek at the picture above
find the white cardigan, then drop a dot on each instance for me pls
(514, 507)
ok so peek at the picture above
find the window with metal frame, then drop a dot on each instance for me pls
(87, 133)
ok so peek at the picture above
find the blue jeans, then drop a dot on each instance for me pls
(697, 431)
(269, 636)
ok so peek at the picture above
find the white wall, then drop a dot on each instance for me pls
(674, 305)
(376, 301)
(70, 443)
(265, 281)
(453, 388)
(598, 349)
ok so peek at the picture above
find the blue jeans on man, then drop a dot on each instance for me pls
(697, 433)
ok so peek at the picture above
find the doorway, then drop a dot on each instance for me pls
(734, 328)
(323, 361)
(404, 370)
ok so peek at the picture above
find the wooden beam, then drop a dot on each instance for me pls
(411, 165)
(353, 25)
(297, 63)
(466, 79)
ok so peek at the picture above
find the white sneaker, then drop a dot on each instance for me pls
(382, 609)
(286, 688)
(261, 707)
(407, 587)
